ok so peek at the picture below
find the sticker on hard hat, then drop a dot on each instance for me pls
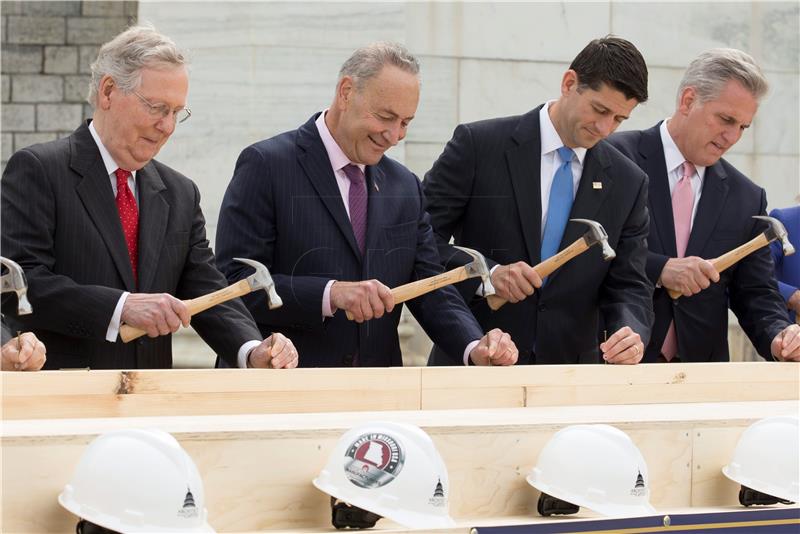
(639, 489)
(373, 460)
(438, 500)
(189, 508)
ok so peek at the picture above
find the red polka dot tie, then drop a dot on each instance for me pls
(129, 216)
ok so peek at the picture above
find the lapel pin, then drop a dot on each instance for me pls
(597, 185)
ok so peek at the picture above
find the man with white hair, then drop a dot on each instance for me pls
(701, 207)
(107, 235)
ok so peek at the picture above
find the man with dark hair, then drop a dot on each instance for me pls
(507, 187)
(702, 207)
(338, 224)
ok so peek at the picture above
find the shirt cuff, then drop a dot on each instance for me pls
(469, 348)
(327, 311)
(244, 351)
(113, 326)
(480, 291)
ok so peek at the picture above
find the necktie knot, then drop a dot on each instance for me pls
(565, 153)
(353, 173)
(687, 170)
(122, 176)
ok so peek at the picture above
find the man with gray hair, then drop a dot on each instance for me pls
(106, 235)
(338, 224)
(701, 207)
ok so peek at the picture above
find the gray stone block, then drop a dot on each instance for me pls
(6, 145)
(58, 117)
(19, 117)
(36, 88)
(21, 140)
(51, 9)
(3, 26)
(88, 111)
(60, 59)
(94, 30)
(76, 88)
(86, 56)
(25, 59)
(12, 7)
(37, 30)
(103, 9)
(132, 9)
(6, 88)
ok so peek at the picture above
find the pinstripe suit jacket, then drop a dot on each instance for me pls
(60, 223)
(284, 209)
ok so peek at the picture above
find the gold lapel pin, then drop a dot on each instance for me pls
(597, 185)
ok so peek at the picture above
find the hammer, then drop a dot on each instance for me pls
(595, 235)
(776, 230)
(260, 279)
(14, 281)
(476, 268)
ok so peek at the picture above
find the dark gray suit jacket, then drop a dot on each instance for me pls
(485, 191)
(284, 209)
(60, 223)
(723, 222)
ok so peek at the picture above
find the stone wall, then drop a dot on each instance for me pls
(47, 48)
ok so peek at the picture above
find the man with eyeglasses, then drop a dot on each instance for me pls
(106, 235)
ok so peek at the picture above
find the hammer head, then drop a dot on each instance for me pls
(597, 234)
(775, 231)
(477, 267)
(14, 281)
(261, 279)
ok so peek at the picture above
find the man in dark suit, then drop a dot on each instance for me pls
(787, 268)
(92, 263)
(338, 224)
(507, 188)
(700, 208)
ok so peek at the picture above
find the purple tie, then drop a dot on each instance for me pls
(357, 203)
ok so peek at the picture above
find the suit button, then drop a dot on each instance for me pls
(347, 360)
(542, 307)
(140, 342)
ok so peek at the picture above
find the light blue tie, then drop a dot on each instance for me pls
(559, 205)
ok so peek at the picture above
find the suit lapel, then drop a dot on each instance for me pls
(153, 216)
(97, 196)
(712, 200)
(588, 200)
(524, 167)
(317, 166)
(651, 151)
(375, 208)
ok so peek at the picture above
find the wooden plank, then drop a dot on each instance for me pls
(257, 469)
(558, 385)
(75, 394)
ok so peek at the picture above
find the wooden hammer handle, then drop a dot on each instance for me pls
(547, 267)
(194, 306)
(731, 257)
(415, 289)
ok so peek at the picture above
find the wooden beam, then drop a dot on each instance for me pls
(257, 469)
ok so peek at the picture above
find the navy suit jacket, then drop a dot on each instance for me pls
(485, 191)
(787, 268)
(61, 224)
(723, 222)
(283, 208)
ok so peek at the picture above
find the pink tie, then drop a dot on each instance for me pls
(682, 205)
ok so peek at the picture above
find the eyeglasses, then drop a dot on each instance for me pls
(162, 110)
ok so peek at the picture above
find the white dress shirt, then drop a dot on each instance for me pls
(674, 160)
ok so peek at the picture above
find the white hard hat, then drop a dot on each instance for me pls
(390, 469)
(594, 466)
(766, 458)
(137, 481)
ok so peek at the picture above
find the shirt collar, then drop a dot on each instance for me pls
(549, 136)
(672, 154)
(108, 161)
(336, 155)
